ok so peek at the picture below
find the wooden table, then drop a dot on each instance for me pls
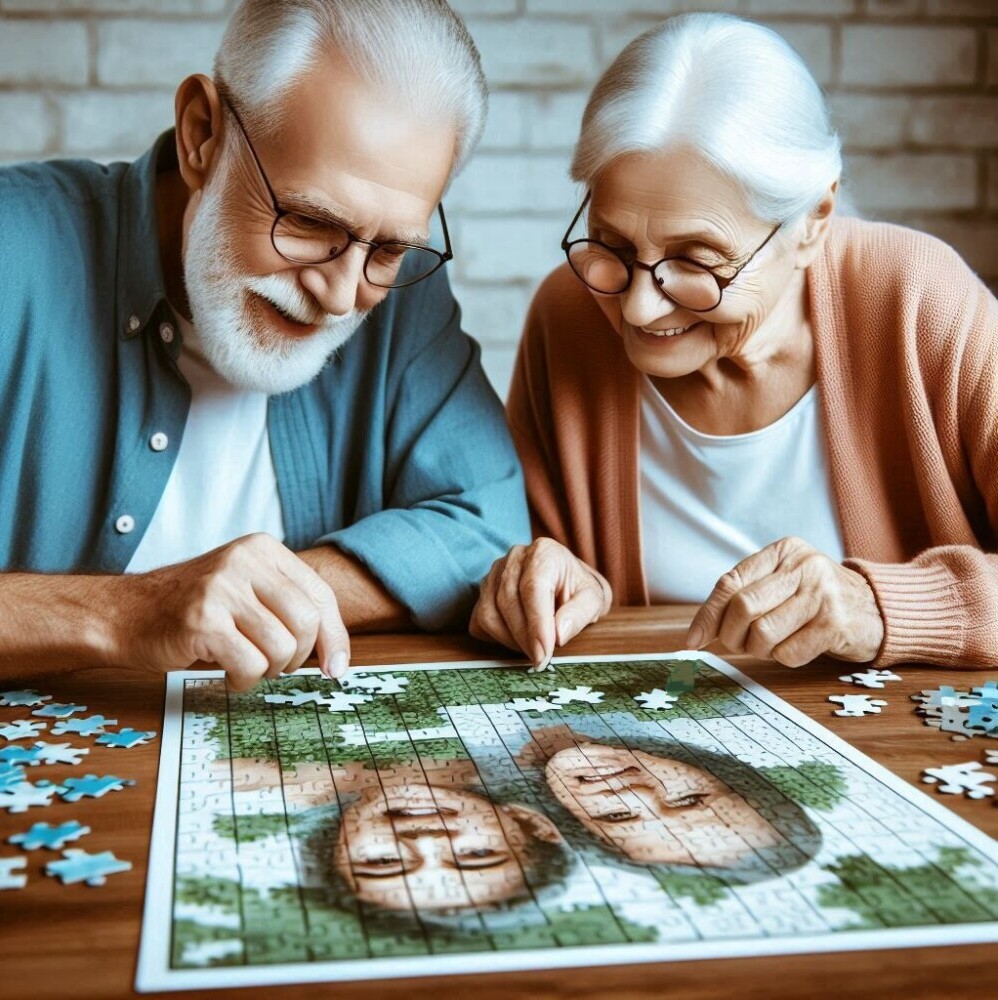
(74, 941)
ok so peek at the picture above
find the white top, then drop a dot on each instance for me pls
(223, 484)
(707, 502)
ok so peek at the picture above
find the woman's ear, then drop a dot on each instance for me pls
(816, 226)
(198, 116)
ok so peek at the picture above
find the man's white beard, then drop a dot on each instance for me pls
(234, 344)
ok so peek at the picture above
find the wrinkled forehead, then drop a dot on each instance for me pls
(671, 193)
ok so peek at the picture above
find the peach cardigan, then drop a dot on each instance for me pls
(906, 341)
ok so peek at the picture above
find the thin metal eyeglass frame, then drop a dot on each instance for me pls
(373, 245)
(722, 282)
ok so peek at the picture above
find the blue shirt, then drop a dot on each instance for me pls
(397, 453)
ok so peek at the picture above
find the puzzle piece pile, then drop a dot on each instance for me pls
(963, 714)
(21, 748)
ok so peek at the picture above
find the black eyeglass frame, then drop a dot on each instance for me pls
(722, 282)
(373, 245)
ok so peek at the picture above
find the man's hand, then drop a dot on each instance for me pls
(537, 597)
(251, 607)
(791, 603)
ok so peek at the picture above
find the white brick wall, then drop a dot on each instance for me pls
(913, 85)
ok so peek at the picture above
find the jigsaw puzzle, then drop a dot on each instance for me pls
(465, 817)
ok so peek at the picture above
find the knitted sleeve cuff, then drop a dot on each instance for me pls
(922, 608)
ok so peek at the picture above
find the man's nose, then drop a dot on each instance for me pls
(337, 284)
(643, 303)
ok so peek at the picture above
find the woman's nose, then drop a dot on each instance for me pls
(643, 302)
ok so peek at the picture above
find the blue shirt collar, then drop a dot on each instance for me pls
(141, 287)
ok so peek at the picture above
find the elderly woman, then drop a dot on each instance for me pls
(726, 382)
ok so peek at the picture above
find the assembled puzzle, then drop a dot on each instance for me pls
(460, 817)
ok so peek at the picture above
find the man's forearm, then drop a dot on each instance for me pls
(364, 603)
(55, 622)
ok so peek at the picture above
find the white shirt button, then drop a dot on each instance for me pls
(124, 524)
(166, 333)
(159, 441)
(133, 323)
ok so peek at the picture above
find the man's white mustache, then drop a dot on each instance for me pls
(291, 300)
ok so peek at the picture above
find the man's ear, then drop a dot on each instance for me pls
(534, 823)
(198, 115)
(816, 227)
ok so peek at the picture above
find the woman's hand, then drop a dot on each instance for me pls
(537, 597)
(791, 603)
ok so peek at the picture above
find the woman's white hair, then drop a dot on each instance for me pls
(419, 51)
(733, 90)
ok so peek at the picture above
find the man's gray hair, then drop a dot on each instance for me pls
(419, 51)
(733, 90)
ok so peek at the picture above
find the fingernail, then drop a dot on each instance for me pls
(338, 664)
(694, 638)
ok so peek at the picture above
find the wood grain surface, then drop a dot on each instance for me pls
(76, 941)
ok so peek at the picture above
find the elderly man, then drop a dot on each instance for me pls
(239, 414)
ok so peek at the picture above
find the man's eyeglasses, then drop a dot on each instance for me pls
(685, 282)
(303, 239)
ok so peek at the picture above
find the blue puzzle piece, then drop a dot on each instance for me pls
(78, 866)
(20, 755)
(988, 691)
(52, 837)
(21, 729)
(983, 716)
(11, 775)
(20, 798)
(84, 727)
(8, 698)
(91, 786)
(59, 711)
(125, 738)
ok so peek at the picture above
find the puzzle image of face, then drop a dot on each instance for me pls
(654, 809)
(410, 845)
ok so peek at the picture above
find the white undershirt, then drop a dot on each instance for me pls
(223, 484)
(707, 502)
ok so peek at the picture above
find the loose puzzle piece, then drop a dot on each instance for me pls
(55, 711)
(60, 753)
(91, 786)
(11, 774)
(8, 880)
(870, 678)
(22, 729)
(564, 696)
(656, 699)
(991, 756)
(84, 727)
(79, 866)
(126, 738)
(988, 691)
(856, 705)
(955, 778)
(20, 755)
(20, 798)
(52, 837)
(532, 705)
(29, 698)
